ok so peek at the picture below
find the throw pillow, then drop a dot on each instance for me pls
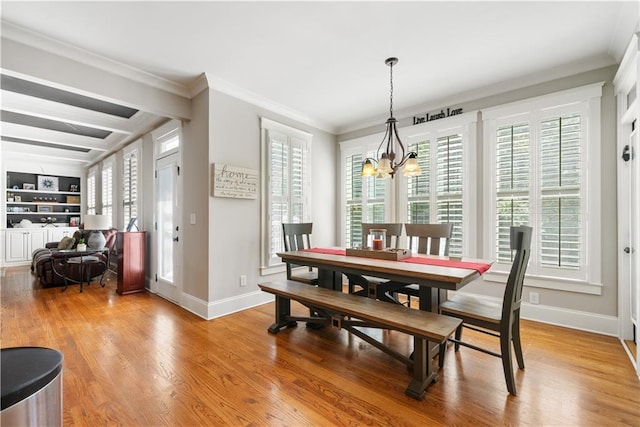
(66, 242)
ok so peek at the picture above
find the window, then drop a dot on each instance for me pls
(365, 199)
(512, 184)
(91, 190)
(130, 173)
(287, 185)
(449, 187)
(538, 155)
(444, 192)
(107, 188)
(168, 141)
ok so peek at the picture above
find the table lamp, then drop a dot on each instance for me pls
(94, 224)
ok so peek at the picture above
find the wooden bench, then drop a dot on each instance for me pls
(348, 312)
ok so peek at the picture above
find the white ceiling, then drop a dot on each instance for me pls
(325, 60)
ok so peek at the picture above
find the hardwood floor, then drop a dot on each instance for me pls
(138, 360)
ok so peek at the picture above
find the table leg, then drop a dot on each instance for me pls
(64, 275)
(422, 372)
(429, 302)
(330, 279)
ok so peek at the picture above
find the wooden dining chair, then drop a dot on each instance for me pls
(430, 239)
(502, 321)
(297, 237)
(394, 231)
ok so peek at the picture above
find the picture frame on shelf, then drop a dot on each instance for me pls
(28, 186)
(47, 183)
(74, 221)
(45, 208)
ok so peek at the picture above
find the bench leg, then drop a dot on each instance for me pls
(422, 372)
(283, 311)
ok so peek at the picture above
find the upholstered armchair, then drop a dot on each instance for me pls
(48, 263)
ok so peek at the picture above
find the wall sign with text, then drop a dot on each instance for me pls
(426, 117)
(233, 182)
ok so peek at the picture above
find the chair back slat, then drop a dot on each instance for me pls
(297, 236)
(430, 239)
(521, 243)
(394, 231)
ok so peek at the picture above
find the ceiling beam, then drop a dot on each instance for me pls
(22, 151)
(38, 107)
(44, 67)
(53, 137)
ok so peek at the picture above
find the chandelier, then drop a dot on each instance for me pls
(394, 155)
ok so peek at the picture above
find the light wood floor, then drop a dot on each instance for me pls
(139, 360)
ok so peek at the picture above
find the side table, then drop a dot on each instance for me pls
(83, 260)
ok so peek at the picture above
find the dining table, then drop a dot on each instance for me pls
(429, 272)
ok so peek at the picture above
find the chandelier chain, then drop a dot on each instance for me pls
(391, 91)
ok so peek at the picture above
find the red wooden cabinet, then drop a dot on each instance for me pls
(131, 261)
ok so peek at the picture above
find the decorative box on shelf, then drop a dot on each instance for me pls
(390, 254)
(73, 199)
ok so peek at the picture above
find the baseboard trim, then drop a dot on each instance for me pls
(580, 320)
(211, 310)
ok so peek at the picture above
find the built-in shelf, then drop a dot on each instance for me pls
(26, 197)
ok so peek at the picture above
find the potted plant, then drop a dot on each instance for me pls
(82, 246)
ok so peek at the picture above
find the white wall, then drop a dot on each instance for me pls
(234, 234)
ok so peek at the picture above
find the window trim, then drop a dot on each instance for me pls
(164, 133)
(586, 99)
(306, 138)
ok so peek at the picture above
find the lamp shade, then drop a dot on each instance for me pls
(411, 168)
(368, 169)
(97, 222)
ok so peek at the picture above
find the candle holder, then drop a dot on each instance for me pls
(377, 239)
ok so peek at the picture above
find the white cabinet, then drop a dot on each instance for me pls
(19, 243)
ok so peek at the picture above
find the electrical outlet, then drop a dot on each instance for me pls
(243, 280)
(534, 298)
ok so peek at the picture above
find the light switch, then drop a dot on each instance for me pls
(192, 219)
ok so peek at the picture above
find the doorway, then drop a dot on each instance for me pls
(168, 244)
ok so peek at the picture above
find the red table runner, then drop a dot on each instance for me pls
(479, 267)
(328, 251)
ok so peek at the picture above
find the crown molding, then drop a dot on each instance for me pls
(198, 85)
(216, 83)
(31, 38)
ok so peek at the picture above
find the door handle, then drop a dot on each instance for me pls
(628, 250)
(175, 239)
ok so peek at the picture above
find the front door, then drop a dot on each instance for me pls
(168, 232)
